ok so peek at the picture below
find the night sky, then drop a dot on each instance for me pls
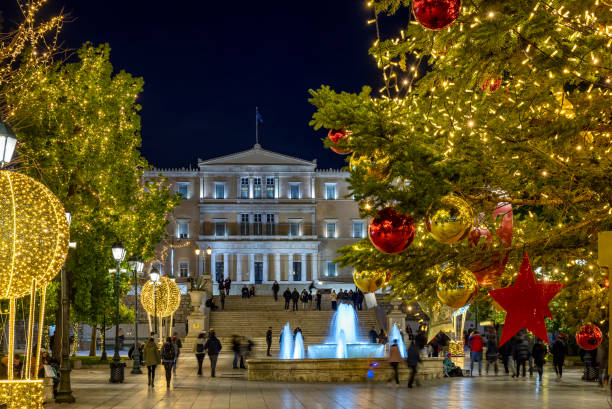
(206, 65)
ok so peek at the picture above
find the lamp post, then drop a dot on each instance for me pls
(155, 278)
(209, 252)
(116, 367)
(136, 265)
(7, 144)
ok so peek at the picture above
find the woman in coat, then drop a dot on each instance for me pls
(152, 358)
(198, 350)
(395, 357)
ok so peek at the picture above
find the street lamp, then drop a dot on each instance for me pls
(8, 141)
(136, 265)
(116, 366)
(197, 253)
(154, 274)
(209, 252)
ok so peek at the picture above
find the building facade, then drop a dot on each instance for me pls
(265, 216)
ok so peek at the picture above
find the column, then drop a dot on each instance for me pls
(315, 266)
(250, 188)
(238, 267)
(277, 267)
(212, 267)
(265, 275)
(200, 269)
(201, 188)
(290, 267)
(276, 189)
(304, 277)
(225, 265)
(252, 268)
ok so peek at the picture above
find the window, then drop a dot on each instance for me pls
(331, 269)
(244, 188)
(270, 226)
(257, 228)
(182, 227)
(183, 189)
(357, 229)
(270, 188)
(244, 224)
(218, 270)
(257, 188)
(294, 228)
(184, 269)
(219, 228)
(219, 190)
(294, 191)
(297, 271)
(330, 229)
(330, 191)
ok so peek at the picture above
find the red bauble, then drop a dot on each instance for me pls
(588, 337)
(336, 135)
(491, 84)
(391, 232)
(436, 14)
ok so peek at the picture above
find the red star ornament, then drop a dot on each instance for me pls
(526, 303)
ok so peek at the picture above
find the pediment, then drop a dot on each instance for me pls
(257, 156)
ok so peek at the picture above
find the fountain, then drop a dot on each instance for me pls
(344, 342)
(298, 346)
(286, 344)
(395, 335)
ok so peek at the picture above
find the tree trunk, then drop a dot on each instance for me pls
(57, 335)
(92, 344)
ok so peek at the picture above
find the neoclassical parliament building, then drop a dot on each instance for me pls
(265, 216)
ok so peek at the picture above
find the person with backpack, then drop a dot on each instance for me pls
(168, 354)
(522, 354)
(200, 353)
(287, 297)
(213, 347)
(152, 358)
(176, 342)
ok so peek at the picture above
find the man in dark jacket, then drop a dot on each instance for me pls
(412, 359)
(522, 353)
(492, 353)
(558, 351)
(295, 297)
(269, 340)
(506, 354)
(318, 297)
(275, 290)
(373, 335)
(539, 355)
(213, 347)
(287, 297)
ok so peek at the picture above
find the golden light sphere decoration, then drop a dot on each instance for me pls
(167, 294)
(377, 165)
(456, 286)
(370, 281)
(34, 234)
(449, 219)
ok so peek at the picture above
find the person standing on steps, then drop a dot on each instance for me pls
(269, 340)
(295, 297)
(213, 347)
(168, 355)
(334, 300)
(221, 286)
(152, 358)
(412, 359)
(176, 342)
(373, 335)
(198, 349)
(395, 357)
(304, 299)
(287, 297)
(228, 285)
(275, 290)
(475, 343)
(539, 354)
(318, 297)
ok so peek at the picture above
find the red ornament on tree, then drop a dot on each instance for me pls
(588, 337)
(436, 14)
(336, 135)
(491, 84)
(391, 232)
(526, 303)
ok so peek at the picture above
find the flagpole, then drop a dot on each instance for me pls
(256, 127)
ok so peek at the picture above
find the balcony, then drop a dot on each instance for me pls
(258, 231)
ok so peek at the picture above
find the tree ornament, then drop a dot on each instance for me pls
(456, 286)
(526, 303)
(449, 219)
(165, 294)
(337, 135)
(491, 83)
(588, 337)
(488, 272)
(436, 14)
(376, 164)
(370, 281)
(34, 234)
(391, 232)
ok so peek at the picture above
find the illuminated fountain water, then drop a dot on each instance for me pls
(286, 345)
(396, 336)
(298, 346)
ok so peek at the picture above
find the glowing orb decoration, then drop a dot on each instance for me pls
(376, 165)
(391, 232)
(370, 281)
(436, 14)
(588, 337)
(449, 219)
(167, 294)
(22, 394)
(336, 136)
(456, 286)
(34, 234)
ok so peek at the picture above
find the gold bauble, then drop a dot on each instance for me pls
(449, 219)
(370, 281)
(376, 165)
(34, 234)
(456, 286)
(167, 294)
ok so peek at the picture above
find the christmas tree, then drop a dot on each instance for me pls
(506, 110)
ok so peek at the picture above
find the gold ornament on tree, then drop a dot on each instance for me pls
(449, 219)
(456, 286)
(370, 281)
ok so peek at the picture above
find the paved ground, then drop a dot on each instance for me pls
(230, 389)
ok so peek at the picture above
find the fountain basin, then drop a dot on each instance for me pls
(337, 370)
(357, 350)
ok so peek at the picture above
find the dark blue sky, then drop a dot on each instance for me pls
(206, 65)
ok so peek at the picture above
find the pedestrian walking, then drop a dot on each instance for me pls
(269, 340)
(318, 297)
(152, 358)
(539, 354)
(221, 285)
(475, 343)
(222, 300)
(246, 345)
(198, 349)
(295, 297)
(373, 335)
(531, 343)
(522, 353)
(287, 297)
(176, 342)
(275, 290)
(395, 357)
(168, 353)
(492, 353)
(413, 357)
(236, 351)
(360, 297)
(506, 356)
(558, 350)
(228, 285)
(334, 300)
(213, 347)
